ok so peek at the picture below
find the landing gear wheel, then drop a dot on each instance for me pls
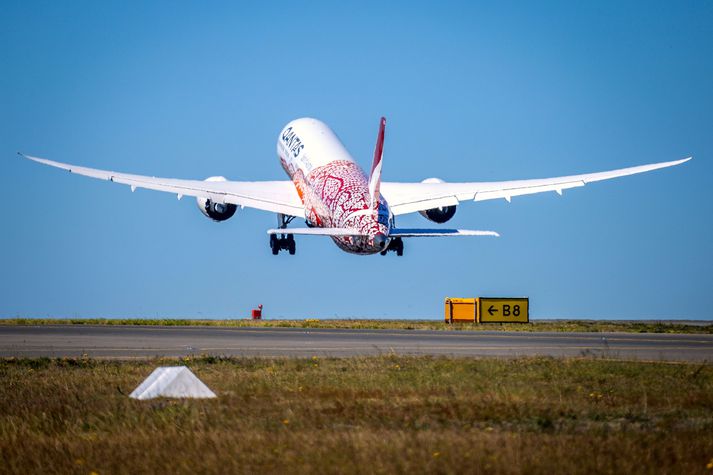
(284, 242)
(396, 245)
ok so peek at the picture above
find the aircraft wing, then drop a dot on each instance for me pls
(406, 198)
(275, 196)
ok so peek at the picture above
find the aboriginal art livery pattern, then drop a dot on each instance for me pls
(333, 188)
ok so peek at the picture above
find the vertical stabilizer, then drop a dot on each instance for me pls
(375, 175)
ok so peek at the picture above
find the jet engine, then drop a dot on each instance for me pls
(216, 211)
(438, 215)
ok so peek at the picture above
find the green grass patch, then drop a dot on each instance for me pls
(386, 414)
(533, 326)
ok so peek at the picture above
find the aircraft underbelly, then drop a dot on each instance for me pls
(335, 196)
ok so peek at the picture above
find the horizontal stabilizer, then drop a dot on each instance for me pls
(439, 232)
(317, 231)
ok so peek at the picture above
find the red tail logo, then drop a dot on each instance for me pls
(375, 175)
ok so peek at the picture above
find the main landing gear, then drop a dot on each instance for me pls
(396, 245)
(283, 242)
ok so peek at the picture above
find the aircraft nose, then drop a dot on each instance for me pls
(381, 241)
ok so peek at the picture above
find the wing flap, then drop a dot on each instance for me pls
(419, 205)
(525, 190)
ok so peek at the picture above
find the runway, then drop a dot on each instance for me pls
(122, 342)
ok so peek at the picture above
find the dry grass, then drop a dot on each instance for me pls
(533, 326)
(387, 414)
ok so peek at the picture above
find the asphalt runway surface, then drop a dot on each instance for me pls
(123, 342)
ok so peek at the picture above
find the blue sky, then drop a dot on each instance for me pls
(471, 91)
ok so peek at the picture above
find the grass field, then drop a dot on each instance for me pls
(387, 414)
(543, 326)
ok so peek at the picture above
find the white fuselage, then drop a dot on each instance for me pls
(332, 187)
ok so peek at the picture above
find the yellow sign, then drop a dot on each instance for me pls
(460, 310)
(503, 310)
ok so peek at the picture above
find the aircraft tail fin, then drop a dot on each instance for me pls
(375, 175)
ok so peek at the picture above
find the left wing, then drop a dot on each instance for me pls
(275, 196)
(406, 198)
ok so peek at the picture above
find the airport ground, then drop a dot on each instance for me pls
(148, 341)
(352, 396)
(539, 325)
(377, 414)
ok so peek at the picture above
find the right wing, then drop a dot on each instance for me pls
(274, 196)
(412, 197)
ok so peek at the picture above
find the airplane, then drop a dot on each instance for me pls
(335, 198)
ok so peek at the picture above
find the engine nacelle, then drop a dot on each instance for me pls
(438, 215)
(216, 211)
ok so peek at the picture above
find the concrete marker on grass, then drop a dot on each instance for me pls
(174, 382)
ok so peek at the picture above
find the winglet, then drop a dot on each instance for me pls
(375, 175)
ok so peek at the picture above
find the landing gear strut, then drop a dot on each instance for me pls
(283, 242)
(396, 245)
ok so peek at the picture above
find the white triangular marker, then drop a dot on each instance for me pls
(133, 188)
(509, 199)
(559, 192)
(172, 381)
